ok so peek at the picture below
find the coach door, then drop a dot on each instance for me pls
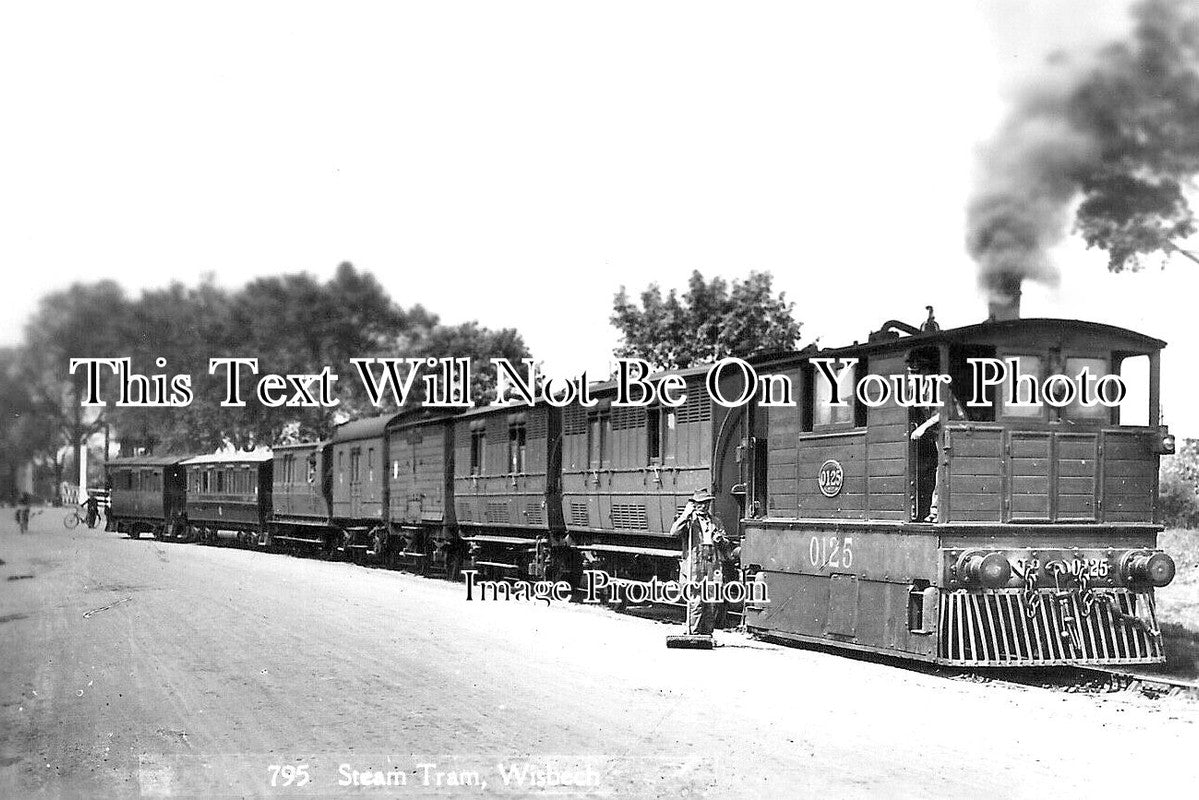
(740, 467)
(356, 482)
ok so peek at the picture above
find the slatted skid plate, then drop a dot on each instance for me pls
(994, 629)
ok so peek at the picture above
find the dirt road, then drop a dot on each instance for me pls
(138, 668)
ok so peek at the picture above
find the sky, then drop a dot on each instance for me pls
(516, 163)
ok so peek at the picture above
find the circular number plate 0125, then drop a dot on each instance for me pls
(831, 478)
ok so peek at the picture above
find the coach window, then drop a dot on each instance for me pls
(1076, 410)
(370, 465)
(220, 481)
(312, 469)
(653, 435)
(1030, 370)
(341, 466)
(661, 432)
(670, 433)
(478, 446)
(1134, 372)
(355, 464)
(516, 444)
(599, 439)
(824, 414)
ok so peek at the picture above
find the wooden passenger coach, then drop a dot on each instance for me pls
(420, 480)
(1004, 535)
(147, 494)
(301, 483)
(358, 493)
(627, 472)
(228, 494)
(507, 490)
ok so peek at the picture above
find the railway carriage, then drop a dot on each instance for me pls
(507, 491)
(627, 472)
(420, 479)
(358, 487)
(228, 493)
(147, 494)
(1002, 535)
(300, 490)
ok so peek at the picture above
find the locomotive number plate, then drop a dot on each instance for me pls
(1091, 567)
(831, 478)
(831, 551)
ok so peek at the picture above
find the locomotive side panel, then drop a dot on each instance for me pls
(859, 586)
(850, 463)
(1129, 477)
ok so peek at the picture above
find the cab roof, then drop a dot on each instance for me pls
(983, 332)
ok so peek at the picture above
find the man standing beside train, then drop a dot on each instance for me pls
(704, 541)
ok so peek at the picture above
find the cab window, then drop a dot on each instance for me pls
(824, 414)
(1098, 412)
(1134, 371)
(1030, 369)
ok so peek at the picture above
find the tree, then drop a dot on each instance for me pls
(84, 320)
(293, 324)
(1139, 105)
(710, 321)
(25, 434)
(296, 324)
(469, 340)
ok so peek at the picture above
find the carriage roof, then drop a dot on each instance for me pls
(148, 461)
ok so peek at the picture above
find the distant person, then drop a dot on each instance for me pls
(92, 504)
(24, 503)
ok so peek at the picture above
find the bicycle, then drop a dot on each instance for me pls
(73, 518)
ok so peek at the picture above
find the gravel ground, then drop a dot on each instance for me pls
(144, 669)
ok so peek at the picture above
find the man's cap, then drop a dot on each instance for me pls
(702, 496)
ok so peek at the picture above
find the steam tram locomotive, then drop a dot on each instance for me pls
(976, 535)
(1013, 535)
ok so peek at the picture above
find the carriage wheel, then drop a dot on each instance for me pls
(71, 521)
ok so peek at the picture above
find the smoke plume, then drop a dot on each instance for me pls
(1112, 138)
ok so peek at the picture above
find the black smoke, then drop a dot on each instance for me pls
(1110, 139)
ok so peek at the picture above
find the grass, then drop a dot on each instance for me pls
(1178, 603)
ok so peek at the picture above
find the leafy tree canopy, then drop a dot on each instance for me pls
(293, 323)
(708, 321)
